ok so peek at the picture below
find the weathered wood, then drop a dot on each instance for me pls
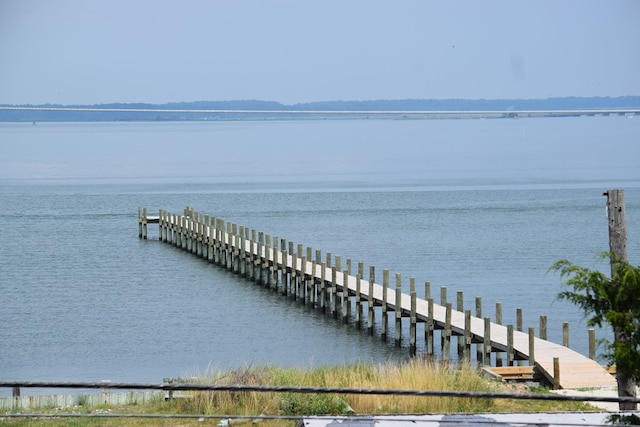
(510, 355)
(532, 357)
(446, 332)
(479, 352)
(334, 291)
(309, 283)
(430, 327)
(385, 293)
(486, 357)
(313, 292)
(543, 327)
(358, 302)
(413, 319)
(284, 270)
(513, 373)
(228, 245)
(618, 251)
(267, 264)
(323, 285)
(519, 325)
(302, 279)
(398, 310)
(370, 311)
(499, 354)
(346, 304)
(460, 308)
(617, 227)
(199, 238)
(466, 351)
(277, 264)
(144, 223)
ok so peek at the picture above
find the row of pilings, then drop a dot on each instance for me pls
(302, 274)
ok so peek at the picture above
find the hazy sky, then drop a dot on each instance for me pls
(79, 51)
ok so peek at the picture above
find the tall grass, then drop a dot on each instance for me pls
(416, 374)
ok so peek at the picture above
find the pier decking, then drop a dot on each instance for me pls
(275, 263)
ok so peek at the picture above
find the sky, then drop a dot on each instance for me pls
(294, 51)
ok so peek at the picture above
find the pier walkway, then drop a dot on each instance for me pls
(296, 273)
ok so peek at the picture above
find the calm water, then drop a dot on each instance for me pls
(480, 206)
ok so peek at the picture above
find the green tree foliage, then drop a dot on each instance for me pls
(614, 301)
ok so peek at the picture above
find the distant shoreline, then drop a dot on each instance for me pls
(408, 109)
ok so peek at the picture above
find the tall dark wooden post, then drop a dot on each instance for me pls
(617, 226)
(618, 250)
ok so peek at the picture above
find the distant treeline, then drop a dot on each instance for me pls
(565, 103)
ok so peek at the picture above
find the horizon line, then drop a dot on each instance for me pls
(580, 111)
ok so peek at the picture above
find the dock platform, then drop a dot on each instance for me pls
(346, 294)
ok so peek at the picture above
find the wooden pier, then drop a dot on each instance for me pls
(347, 294)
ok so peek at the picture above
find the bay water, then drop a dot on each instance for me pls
(479, 206)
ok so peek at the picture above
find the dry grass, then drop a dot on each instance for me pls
(416, 374)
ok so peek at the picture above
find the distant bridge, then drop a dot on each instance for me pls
(427, 113)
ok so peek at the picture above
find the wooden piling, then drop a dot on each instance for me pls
(284, 270)
(499, 354)
(413, 320)
(446, 332)
(466, 350)
(398, 310)
(370, 311)
(479, 352)
(144, 223)
(429, 329)
(358, 303)
(510, 352)
(210, 250)
(532, 336)
(460, 308)
(323, 285)
(486, 357)
(293, 277)
(258, 257)
(346, 304)
(519, 325)
(543, 327)
(334, 291)
(385, 317)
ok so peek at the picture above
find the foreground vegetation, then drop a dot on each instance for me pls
(417, 374)
(613, 301)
